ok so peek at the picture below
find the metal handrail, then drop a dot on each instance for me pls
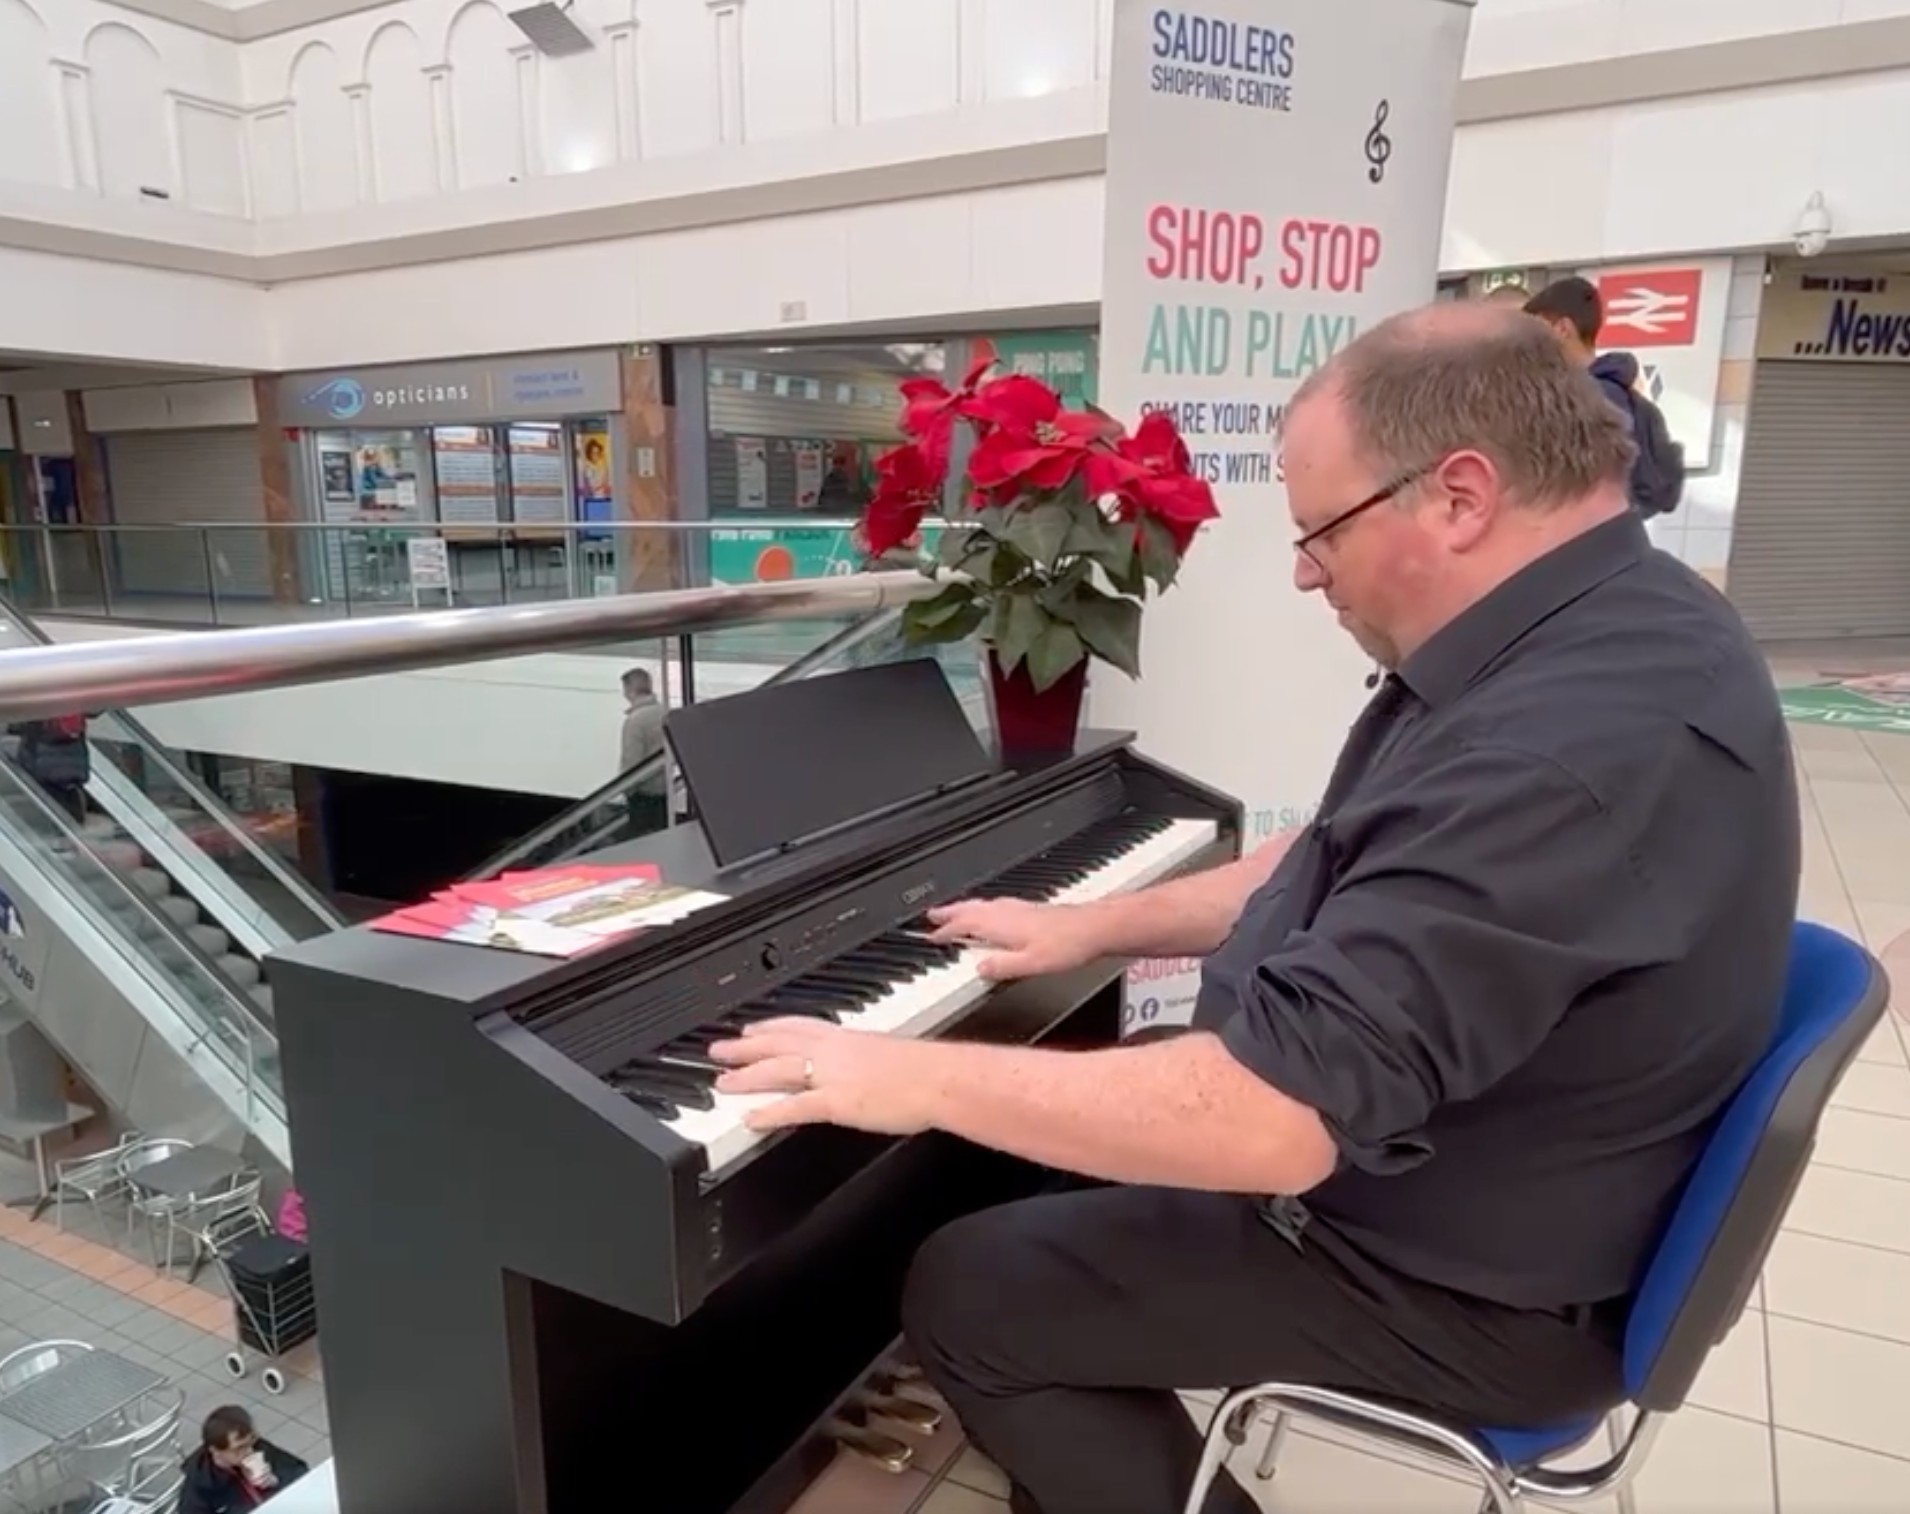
(570, 822)
(39, 682)
(752, 522)
(156, 752)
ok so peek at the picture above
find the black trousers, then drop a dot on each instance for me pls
(1057, 1329)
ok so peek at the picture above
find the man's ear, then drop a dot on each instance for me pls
(1470, 482)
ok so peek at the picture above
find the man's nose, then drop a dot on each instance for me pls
(1307, 574)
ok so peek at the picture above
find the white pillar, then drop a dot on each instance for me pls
(1276, 184)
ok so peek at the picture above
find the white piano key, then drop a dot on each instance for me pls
(923, 1004)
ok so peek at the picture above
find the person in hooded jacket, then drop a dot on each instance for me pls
(1575, 312)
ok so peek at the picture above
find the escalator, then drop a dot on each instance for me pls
(135, 927)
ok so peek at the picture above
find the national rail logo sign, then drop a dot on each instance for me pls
(1652, 308)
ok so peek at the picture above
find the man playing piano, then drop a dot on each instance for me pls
(1457, 1045)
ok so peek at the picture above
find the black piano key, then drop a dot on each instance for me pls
(791, 1004)
(677, 1084)
(689, 1059)
(650, 1104)
(858, 987)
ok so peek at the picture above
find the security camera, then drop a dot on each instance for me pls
(1813, 228)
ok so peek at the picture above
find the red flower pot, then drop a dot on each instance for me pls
(1031, 724)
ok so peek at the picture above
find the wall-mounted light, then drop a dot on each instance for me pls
(551, 30)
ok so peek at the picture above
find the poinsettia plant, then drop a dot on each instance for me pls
(1068, 521)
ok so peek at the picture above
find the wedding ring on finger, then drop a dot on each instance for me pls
(808, 1073)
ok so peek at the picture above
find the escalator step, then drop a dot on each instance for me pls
(241, 970)
(210, 940)
(151, 882)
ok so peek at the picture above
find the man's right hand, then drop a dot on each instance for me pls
(1028, 939)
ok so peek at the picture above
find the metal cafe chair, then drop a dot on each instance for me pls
(150, 1207)
(115, 1457)
(92, 1179)
(18, 1368)
(1699, 1280)
(153, 1487)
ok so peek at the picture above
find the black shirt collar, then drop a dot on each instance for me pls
(1457, 653)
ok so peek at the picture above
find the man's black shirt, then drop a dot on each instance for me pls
(1538, 934)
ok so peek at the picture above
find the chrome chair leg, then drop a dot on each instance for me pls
(1270, 1455)
(1627, 1494)
(1211, 1459)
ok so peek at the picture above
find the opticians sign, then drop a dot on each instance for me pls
(1825, 316)
(540, 386)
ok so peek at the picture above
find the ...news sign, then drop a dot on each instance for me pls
(1826, 316)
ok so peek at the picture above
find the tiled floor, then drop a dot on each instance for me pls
(90, 1283)
(1805, 1409)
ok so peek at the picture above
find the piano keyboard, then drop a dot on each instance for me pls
(901, 983)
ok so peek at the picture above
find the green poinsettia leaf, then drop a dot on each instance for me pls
(1040, 531)
(963, 624)
(934, 619)
(1017, 623)
(1058, 594)
(952, 550)
(1110, 626)
(1128, 577)
(1160, 562)
(1052, 653)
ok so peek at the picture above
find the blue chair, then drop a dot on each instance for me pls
(1692, 1294)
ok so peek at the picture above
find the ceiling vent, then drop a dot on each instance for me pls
(551, 30)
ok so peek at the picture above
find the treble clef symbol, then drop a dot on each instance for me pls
(1379, 146)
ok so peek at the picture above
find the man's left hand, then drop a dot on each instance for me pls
(833, 1076)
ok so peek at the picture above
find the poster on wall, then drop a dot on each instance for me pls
(1276, 184)
(807, 457)
(1670, 316)
(752, 473)
(590, 443)
(334, 470)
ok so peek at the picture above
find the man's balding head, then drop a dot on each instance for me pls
(1436, 456)
(1484, 377)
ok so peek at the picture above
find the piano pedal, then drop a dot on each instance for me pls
(916, 1390)
(903, 1412)
(871, 1445)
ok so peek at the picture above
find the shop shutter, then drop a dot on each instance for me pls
(166, 477)
(1820, 548)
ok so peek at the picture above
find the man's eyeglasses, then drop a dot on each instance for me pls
(1393, 490)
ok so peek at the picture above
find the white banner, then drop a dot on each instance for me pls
(1276, 183)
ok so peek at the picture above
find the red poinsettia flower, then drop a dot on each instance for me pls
(1029, 441)
(1152, 475)
(908, 486)
(929, 408)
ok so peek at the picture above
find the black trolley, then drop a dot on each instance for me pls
(270, 1280)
